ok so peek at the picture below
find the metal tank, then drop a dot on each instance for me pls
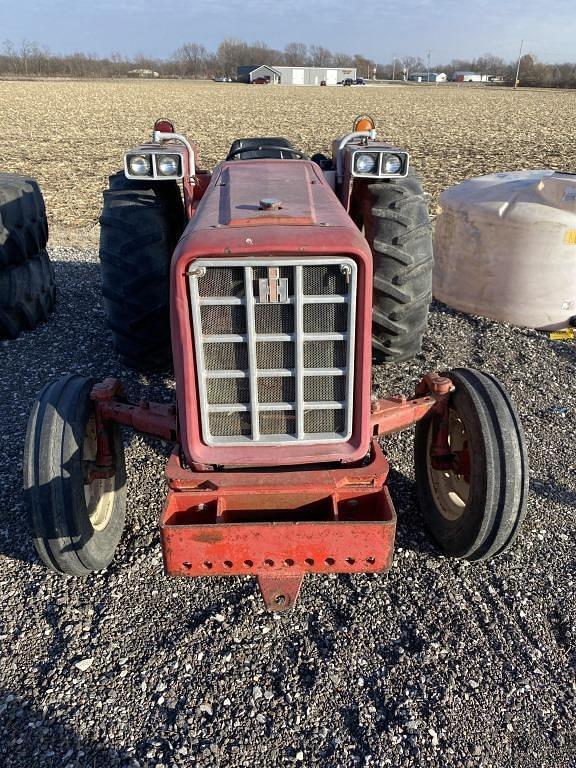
(505, 248)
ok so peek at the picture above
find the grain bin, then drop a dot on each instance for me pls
(505, 248)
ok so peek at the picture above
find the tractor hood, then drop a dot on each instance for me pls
(256, 193)
(270, 215)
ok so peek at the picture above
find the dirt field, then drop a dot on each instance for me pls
(72, 135)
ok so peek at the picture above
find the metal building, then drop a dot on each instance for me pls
(295, 75)
(427, 77)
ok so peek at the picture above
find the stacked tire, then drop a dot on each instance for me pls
(27, 286)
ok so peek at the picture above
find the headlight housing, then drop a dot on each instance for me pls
(168, 165)
(154, 164)
(365, 162)
(139, 165)
(391, 164)
(379, 162)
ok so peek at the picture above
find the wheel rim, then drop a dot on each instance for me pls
(450, 490)
(98, 493)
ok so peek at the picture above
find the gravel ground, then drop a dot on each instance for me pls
(439, 663)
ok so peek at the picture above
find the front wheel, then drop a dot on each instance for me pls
(475, 509)
(76, 522)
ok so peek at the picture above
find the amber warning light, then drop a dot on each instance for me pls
(364, 123)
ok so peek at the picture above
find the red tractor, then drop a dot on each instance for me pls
(270, 284)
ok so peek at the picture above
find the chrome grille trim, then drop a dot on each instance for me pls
(247, 422)
(299, 327)
(252, 365)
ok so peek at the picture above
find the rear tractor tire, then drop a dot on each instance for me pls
(27, 286)
(393, 214)
(76, 522)
(140, 225)
(474, 512)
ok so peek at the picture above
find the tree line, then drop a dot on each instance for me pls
(194, 60)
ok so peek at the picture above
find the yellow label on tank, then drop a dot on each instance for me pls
(570, 237)
(564, 335)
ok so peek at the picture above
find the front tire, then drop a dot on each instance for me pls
(75, 523)
(393, 214)
(474, 511)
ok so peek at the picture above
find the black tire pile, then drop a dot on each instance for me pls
(27, 286)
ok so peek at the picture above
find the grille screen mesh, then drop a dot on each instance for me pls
(318, 317)
(222, 281)
(230, 300)
(217, 320)
(228, 391)
(233, 424)
(226, 356)
(323, 421)
(324, 354)
(274, 318)
(324, 280)
(278, 423)
(324, 388)
(274, 354)
(276, 389)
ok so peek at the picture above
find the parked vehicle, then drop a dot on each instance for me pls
(274, 281)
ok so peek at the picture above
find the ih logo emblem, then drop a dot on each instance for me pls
(273, 289)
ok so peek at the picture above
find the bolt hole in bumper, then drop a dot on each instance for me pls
(278, 526)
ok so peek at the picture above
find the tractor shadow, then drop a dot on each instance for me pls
(53, 741)
(411, 533)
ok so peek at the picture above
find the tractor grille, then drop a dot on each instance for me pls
(275, 342)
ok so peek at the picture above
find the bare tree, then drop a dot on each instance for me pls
(25, 52)
(231, 53)
(296, 54)
(409, 64)
(490, 65)
(343, 60)
(363, 66)
(10, 54)
(191, 59)
(320, 57)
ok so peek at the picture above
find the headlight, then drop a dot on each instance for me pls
(139, 165)
(391, 164)
(365, 163)
(168, 165)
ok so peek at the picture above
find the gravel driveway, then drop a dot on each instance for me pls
(439, 663)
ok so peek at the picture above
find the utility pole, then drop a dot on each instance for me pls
(394, 68)
(516, 81)
(428, 57)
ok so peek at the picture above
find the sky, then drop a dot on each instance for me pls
(379, 30)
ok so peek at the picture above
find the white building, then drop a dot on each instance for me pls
(427, 77)
(296, 75)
